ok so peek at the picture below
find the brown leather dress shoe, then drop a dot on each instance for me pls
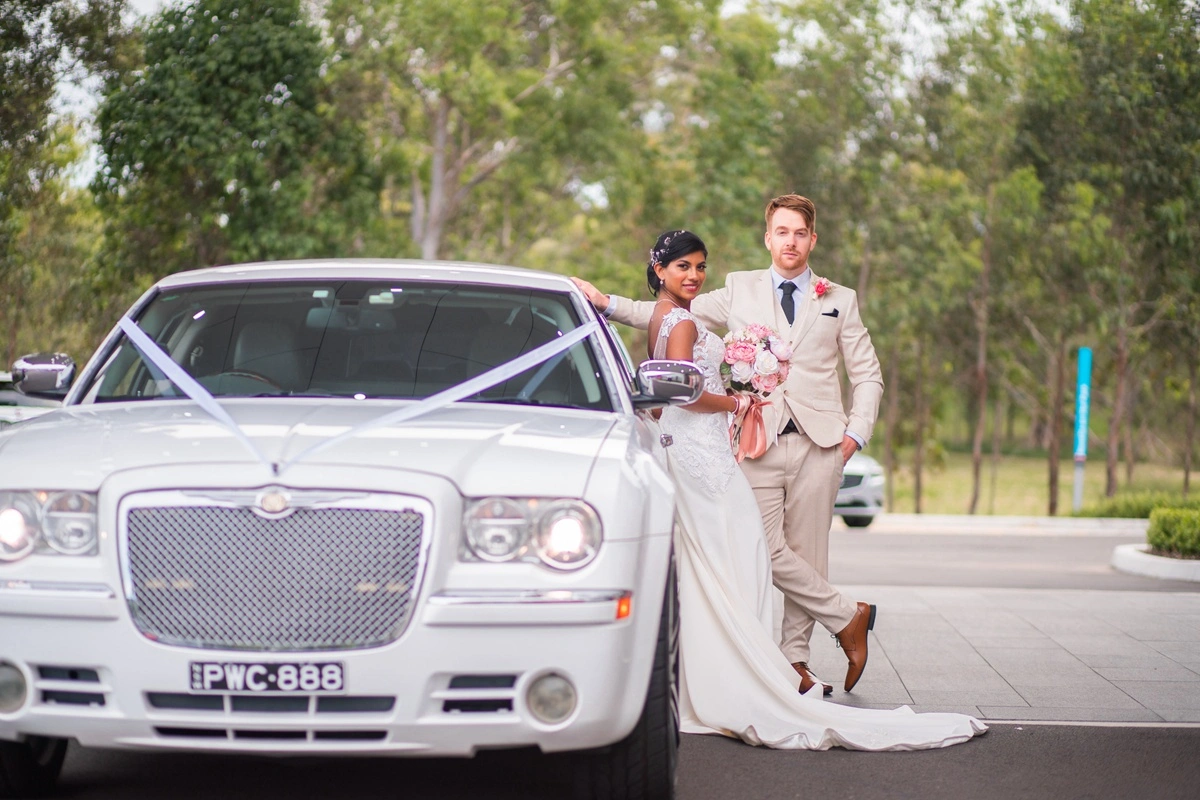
(807, 681)
(853, 640)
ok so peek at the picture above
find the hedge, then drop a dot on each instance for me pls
(1175, 531)
(1138, 505)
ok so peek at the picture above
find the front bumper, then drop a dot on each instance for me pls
(452, 685)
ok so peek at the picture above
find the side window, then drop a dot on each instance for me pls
(628, 369)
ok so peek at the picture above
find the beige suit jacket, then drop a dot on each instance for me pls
(824, 328)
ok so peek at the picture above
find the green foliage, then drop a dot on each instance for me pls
(1175, 531)
(1006, 190)
(41, 42)
(1137, 505)
(225, 147)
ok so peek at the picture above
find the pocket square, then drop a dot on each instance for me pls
(833, 313)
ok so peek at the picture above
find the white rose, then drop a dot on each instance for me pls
(742, 372)
(766, 363)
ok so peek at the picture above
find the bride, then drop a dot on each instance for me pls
(735, 681)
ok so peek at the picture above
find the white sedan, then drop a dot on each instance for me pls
(860, 496)
(343, 507)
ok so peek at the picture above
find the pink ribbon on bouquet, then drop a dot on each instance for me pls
(748, 432)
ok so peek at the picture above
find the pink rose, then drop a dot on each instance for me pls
(758, 331)
(740, 351)
(784, 369)
(765, 383)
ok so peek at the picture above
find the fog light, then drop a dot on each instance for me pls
(551, 698)
(12, 688)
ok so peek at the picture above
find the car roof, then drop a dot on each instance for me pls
(370, 269)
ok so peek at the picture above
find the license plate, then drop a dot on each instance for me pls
(254, 676)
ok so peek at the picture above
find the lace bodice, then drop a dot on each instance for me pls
(700, 439)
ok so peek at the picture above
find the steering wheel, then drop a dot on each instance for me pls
(254, 376)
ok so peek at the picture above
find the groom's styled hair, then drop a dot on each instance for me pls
(794, 202)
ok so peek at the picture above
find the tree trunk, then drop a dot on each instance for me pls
(982, 304)
(919, 434)
(1056, 419)
(1118, 413)
(996, 417)
(436, 211)
(14, 304)
(892, 415)
(1130, 439)
(864, 272)
(1189, 434)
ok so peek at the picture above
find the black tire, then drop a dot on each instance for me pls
(642, 765)
(858, 522)
(31, 768)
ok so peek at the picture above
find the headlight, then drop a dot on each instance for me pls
(47, 522)
(564, 534)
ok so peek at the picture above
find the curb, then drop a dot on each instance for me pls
(1134, 559)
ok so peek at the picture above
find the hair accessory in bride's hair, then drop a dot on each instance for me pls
(658, 253)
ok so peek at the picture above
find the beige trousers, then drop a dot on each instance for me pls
(795, 483)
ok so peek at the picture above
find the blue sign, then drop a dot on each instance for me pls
(1083, 394)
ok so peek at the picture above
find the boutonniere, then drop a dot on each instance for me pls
(820, 288)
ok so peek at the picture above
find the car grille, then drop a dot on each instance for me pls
(316, 579)
(850, 481)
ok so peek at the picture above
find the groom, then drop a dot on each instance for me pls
(810, 435)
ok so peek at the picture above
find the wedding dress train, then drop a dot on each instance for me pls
(735, 681)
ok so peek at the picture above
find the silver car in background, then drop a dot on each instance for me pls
(860, 497)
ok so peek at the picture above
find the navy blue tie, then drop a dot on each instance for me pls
(789, 305)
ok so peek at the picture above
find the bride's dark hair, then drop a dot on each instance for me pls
(670, 246)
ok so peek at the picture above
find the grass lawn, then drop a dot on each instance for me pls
(1021, 485)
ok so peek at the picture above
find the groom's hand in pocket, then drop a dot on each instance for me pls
(849, 447)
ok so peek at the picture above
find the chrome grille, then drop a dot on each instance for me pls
(316, 579)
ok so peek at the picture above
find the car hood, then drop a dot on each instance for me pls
(483, 449)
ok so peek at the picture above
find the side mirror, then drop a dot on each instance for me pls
(668, 382)
(46, 374)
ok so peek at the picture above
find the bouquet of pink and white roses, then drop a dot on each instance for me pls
(756, 360)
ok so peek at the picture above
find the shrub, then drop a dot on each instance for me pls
(1175, 531)
(1138, 505)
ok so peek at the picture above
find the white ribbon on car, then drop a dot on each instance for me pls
(546, 353)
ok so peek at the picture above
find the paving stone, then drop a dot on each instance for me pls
(1103, 695)
(1073, 624)
(1154, 627)
(1174, 673)
(1178, 651)
(1000, 657)
(1179, 714)
(987, 639)
(917, 654)
(978, 697)
(1082, 645)
(1151, 660)
(952, 678)
(996, 623)
(1070, 714)
(908, 622)
(1162, 694)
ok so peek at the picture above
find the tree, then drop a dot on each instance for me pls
(224, 147)
(454, 92)
(41, 42)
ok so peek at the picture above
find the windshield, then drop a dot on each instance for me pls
(355, 339)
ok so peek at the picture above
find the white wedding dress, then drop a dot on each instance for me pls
(735, 681)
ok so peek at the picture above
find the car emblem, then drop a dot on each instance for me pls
(273, 502)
